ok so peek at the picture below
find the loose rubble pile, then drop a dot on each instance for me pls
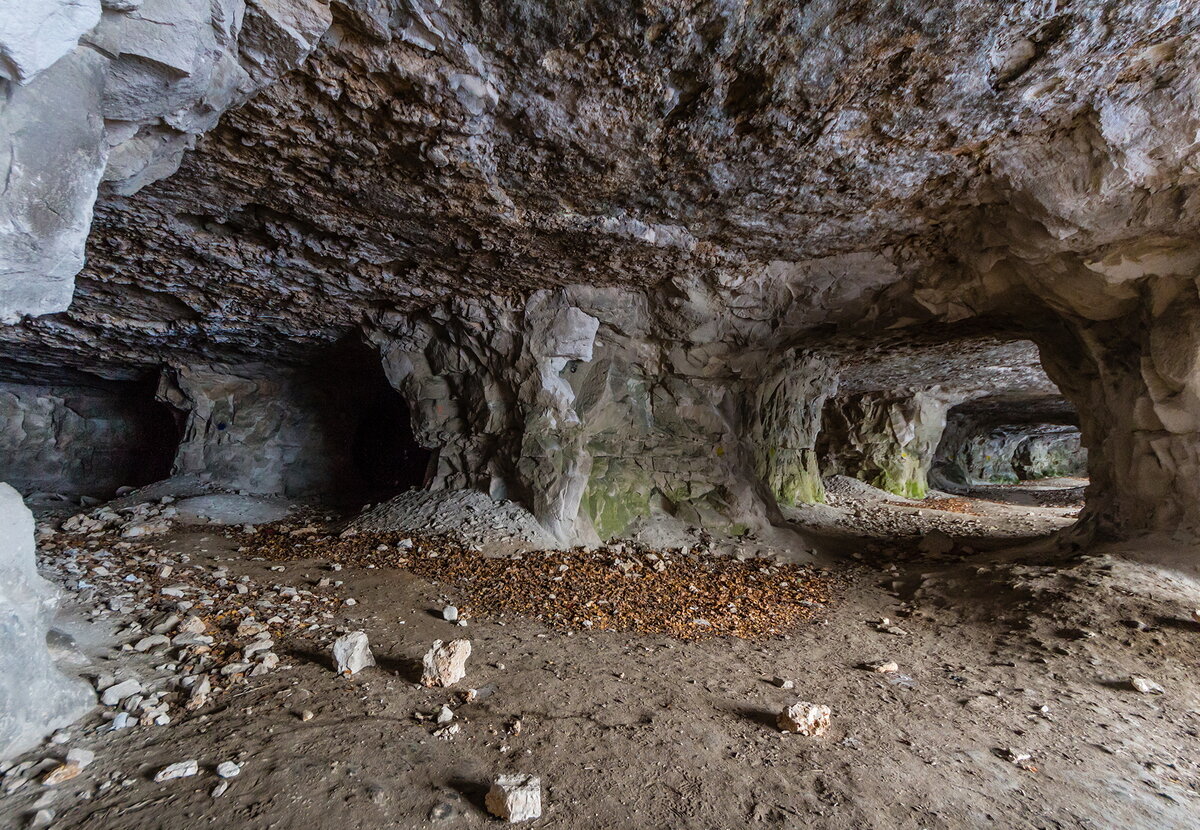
(469, 513)
(209, 631)
(144, 519)
(686, 594)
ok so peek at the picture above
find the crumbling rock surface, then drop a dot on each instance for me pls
(117, 96)
(77, 440)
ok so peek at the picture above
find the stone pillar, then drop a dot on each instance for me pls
(784, 425)
(1135, 380)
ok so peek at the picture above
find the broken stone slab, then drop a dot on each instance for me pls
(35, 35)
(1146, 686)
(201, 690)
(445, 663)
(180, 769)
(151, 642)
(265, 644)
(352, 653)
(515, 797)
(76, 760)
(117, 692)
(804, 718)
(192, 625)
(61, 774)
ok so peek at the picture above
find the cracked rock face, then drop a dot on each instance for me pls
(425, 151)
(117, 96)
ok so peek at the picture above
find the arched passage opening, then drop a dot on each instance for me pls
(1000, 441)
(368, 425)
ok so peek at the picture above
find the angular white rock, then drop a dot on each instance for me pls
(117, 692)
(352, 653)
(445, 663)
(180, 769)
(515, 797)
(36, 33)
(804, 718)
(228, 769)
(80, 757)
(1146, 686)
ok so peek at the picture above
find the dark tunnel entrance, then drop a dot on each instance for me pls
(386, 455)
(369, 425)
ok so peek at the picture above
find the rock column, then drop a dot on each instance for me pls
(1135, 380)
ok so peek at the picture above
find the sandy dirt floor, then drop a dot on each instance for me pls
(1012, 706)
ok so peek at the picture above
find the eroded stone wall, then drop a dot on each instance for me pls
(887, 439)
(971, 453)
(1132, 368)
(117, 94)
(598, 409)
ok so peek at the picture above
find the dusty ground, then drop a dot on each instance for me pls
(1003, 654)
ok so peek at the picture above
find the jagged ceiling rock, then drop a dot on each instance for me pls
(35, 35)
(953, 156)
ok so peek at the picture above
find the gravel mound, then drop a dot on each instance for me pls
(844, 487)
(468, 513)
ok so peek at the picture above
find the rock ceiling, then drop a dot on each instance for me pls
(425, 152)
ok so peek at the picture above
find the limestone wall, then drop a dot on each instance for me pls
(887, 439)
(117, 94)
(973, 454)
(596, 409)
(265, 430)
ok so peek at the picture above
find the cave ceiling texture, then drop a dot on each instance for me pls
(548, 212)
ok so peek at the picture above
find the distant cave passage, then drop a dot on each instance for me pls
(85, 440)
(973, 453)
(386, 455)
